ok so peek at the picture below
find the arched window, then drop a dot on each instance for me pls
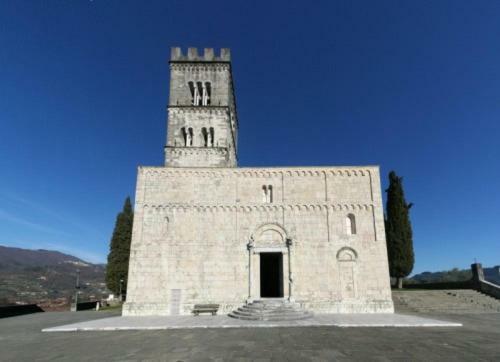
(200, 94)
(204, 134)
(193, 91)
(197, 93)
(190, 136)
(207, 90)
(267, 196)
(350, 221)
(184, 135)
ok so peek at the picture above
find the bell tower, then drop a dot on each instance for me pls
(202, 126)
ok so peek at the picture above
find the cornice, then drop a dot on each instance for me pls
(250, 173)
(202, 66)
(175, 109)
(176, 150)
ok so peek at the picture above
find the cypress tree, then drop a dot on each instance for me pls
(119, 251)
(398, 231)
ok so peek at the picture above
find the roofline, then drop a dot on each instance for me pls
(264, 168)
(200, 61)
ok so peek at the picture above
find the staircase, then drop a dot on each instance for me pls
(270, 310)
(460, 301)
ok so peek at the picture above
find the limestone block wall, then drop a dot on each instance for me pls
(192, 228)
(198, 156)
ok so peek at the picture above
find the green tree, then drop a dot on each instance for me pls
(119, 250)
(398, 231)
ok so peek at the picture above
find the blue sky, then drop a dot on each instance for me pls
(413, 86)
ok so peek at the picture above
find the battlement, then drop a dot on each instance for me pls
(192, 55)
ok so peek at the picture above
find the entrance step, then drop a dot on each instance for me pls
(461, 301)
(271, 310)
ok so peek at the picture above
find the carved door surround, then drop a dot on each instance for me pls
(269, 238)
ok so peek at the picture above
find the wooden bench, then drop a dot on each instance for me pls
(205, 308)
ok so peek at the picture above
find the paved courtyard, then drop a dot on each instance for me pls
(21, 339)
(224, 321)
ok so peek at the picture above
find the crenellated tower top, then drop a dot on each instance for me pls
(192, 55)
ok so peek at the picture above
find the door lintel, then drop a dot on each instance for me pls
(272, 249)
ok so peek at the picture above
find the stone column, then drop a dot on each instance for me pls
(250, 247)
(290, 279)
(477, 274)
(196, 97)
(204, 95)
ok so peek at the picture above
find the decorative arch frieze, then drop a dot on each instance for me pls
(257, 207)
(246, 173)
(199, 68)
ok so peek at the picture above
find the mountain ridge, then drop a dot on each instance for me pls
(34, 257)
(44, 276)
(456, 275)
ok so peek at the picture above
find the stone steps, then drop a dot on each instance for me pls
(253, 311)
(270, 310)
(444, 301)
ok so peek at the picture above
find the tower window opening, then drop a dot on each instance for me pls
(206, 93)
(189, 139)
(350, 221)
(200, 92)
(204, 135)
(187, 135)
(184, 135)
(194, 92)
(211, 137)
(197, 93)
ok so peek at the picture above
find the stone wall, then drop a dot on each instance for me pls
(192, 228)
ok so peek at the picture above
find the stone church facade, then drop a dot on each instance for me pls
(207, 231)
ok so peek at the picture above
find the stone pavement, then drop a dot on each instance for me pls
(21, 339)
(222, 321)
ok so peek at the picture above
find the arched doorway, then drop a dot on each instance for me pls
(269, 263)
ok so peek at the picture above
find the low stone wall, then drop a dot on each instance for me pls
(482, 284)
(491, 289)
(83, 306)
(14, 310)
(467, 284)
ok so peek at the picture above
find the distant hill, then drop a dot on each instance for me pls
(34, 276)
(455, 275)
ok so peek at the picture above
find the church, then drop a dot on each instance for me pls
(209, 232)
